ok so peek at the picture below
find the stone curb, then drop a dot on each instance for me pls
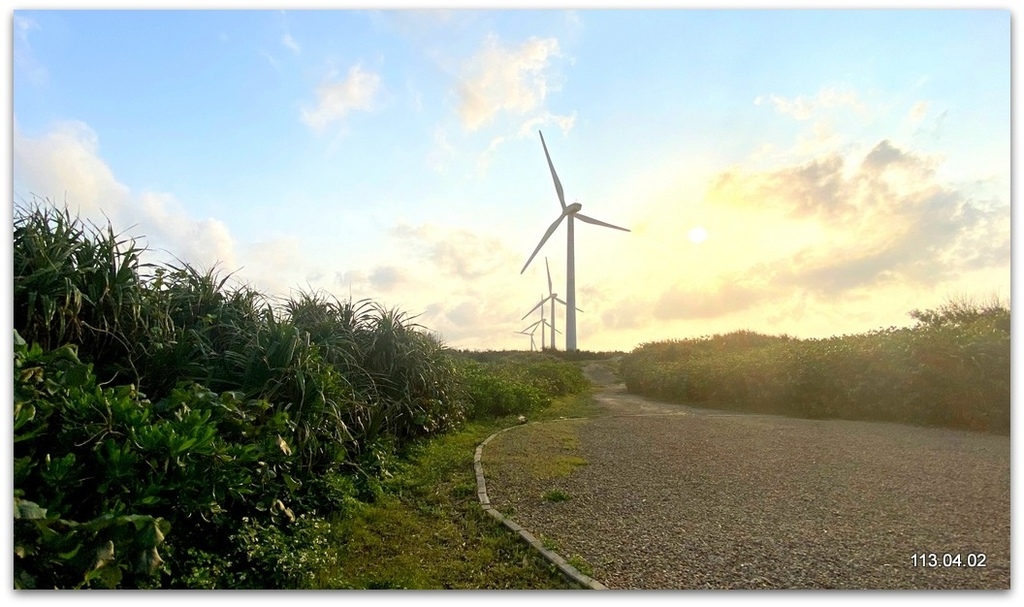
(481, 491)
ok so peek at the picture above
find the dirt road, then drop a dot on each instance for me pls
(679, 497)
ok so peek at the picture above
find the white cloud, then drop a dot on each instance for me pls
(336, 98)
(290, 43)
(804, 108)
(64, 165)
(919, 111)
(22, 26)
(500, 78)
(458, 252)
(563, 122)
(24, 59)
(65, 162)
(442, 151)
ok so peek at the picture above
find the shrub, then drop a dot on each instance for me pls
(951, 369)
(94, 463)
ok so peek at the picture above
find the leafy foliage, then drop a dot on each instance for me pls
(951, 369)
(519, 383)
(174, 430)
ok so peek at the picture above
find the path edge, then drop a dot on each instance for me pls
(556, 559)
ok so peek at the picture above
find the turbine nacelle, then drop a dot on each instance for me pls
(573, 212)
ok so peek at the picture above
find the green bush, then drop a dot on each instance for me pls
(951, 369)
(494, 393)
(174, 431)
(517, 383)
(101, 461)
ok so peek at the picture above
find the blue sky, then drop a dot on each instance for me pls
(845, 166)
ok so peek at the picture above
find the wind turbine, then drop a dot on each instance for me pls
(542, 322)
(571, 211)
(533, 343)
(552, 297)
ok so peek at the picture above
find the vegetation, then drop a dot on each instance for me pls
(175, 430)
(951, 369)
(172, 430)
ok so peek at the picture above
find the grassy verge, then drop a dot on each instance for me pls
(428, 531)
(568, 407)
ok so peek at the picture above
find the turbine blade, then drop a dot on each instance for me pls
(550, 289)
(565, 304)
(551, 230)
(558, 184)
(549, 327)
(582, 217)
(532, 309)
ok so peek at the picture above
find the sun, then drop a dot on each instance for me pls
(697, 235)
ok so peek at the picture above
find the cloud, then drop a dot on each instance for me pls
(65, 161)
(206, 241)
(805, 108)
(442, 152)
(528, 127)
(386, 278)
(457, 252)
(887, 219)
(919, 111)
(22, 26)
(683, 302)
(337, 98)
(809, 189)
(24, 58)
(290, 43)
(501, 78)
(630, 313)
(64, 165)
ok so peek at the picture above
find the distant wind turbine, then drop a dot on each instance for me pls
(543, 322)
(571, 211)
(552, 297)
(533, 343)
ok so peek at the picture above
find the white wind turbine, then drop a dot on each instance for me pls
(543, 322)
(552, 297)
(571, 211)
(533, 343)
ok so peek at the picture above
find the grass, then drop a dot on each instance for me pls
(581, 564)
(569, 407)
(428, 531)
(556, 495)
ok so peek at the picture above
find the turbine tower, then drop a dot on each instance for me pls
(552, 297)
(542, 322)
(571, 211)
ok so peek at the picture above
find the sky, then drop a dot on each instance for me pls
(806, 172)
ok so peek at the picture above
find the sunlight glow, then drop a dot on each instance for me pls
(697, 235)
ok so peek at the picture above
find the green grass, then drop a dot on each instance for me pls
(569, 407)
(556, 495)
(428, 531)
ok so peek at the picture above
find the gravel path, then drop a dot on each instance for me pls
(677, 497)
